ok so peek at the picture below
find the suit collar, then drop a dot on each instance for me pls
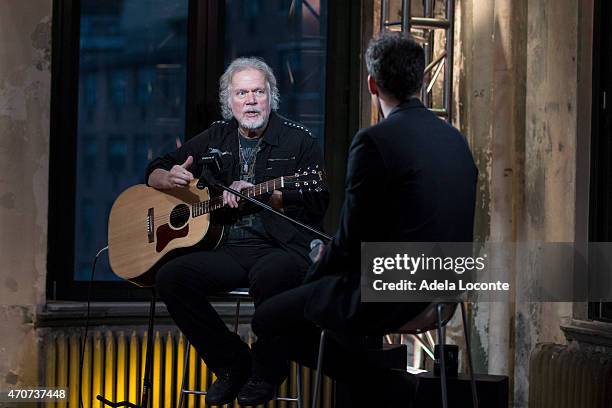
(407, 104)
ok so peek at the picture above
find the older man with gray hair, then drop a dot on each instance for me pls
(260, 251)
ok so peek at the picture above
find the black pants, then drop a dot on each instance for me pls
(185, 284)
(285, 334)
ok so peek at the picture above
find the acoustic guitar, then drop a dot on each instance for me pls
(147, 227)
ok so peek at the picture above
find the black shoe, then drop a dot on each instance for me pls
(256, 391)
(226, 387)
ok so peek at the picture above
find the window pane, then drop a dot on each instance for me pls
(132, 74)
(291, 36)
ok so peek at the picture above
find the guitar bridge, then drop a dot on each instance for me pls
(150, 225)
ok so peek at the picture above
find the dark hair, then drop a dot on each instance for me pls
(397, 62)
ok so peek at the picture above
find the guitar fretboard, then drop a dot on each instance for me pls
(215, 203)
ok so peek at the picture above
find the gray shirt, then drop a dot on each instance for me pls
(249, 229)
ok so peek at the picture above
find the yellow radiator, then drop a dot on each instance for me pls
(113, 366)
(562, 377)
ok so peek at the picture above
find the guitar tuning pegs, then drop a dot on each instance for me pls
(305, 183)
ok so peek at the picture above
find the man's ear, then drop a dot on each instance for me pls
(372, 87)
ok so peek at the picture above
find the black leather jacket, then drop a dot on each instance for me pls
(286, 148)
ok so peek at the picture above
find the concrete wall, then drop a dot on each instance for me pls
(25, 80)
(491, 65)
(551, 134)
(518, 64)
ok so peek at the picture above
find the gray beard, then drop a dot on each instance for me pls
(253, 125)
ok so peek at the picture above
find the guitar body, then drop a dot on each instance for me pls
(147, 227)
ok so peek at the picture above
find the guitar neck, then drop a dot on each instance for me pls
(216, 203)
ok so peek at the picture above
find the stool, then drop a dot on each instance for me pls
(237, 295)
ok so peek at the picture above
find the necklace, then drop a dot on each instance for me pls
(248, 156)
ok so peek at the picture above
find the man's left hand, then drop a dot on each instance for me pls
(319, 254)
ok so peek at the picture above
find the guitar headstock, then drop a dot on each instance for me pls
(309, 179)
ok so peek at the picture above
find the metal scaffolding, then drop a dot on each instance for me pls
(422, 28)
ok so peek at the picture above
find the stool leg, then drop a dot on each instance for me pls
(185, 365)
(315, 394)
(298, 379)
(441, 356)
(469, 355)
(237, 318)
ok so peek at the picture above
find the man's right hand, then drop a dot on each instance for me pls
(178, 176)
(230, 199)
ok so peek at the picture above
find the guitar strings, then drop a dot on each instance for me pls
(215, 201)
(187, 212)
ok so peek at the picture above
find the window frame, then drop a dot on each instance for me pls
(204, 22)
(204, 67)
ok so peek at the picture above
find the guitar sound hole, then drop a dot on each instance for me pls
(179, 216)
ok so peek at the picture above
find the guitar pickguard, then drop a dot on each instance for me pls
(165, 234)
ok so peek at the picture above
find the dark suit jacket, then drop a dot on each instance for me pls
(410, 178)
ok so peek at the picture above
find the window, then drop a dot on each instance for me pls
(129, 62)
(295, 50)
(117, 42)
(133, 79)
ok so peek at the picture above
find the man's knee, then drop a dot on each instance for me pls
(264, 320)
(166, 279)
(172, 276)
